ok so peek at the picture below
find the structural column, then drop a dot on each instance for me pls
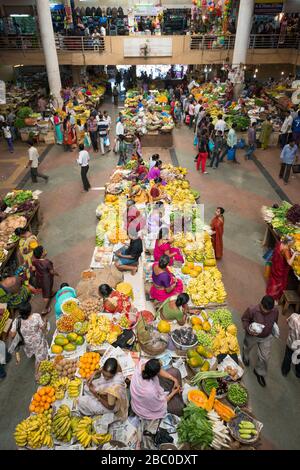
(49, 48)
(241, 46)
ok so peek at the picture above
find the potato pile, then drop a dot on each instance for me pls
(66, 367)
(91, 305)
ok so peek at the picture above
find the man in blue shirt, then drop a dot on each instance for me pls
(296, 128)
(288, 156)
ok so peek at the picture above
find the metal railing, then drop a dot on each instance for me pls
(63, 43)
(256, 41)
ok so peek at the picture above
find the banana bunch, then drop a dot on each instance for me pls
(99, 328)
(61, 425)
(35, 431)
(74, 423)
(61, 386)
(112, 337)
(86, 434)
(207, 288)
(74, 388)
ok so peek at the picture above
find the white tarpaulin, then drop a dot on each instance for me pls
(2, 92)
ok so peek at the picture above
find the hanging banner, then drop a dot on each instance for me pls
(268, 7)
(2, 92)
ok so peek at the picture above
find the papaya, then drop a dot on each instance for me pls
(69, 347)
(196, 361)
(191, 353)
(205, 367)
(72, 337)
(56, 349)
(61, 341)
(79, 340)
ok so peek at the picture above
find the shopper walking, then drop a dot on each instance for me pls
(202, 152)
(292, 345)
(7, 132)
(44, 275)
(92, 126)
(115, 93)
(191, 112)
(251, 141)
(33, 163)
(83, 162)
(220, 124)
(218, 143)
(258, 322)
(286, 130)
(296, 128)
(119, 131)
(266, 131)
(287, 157)
(103, 134)
(32, 329)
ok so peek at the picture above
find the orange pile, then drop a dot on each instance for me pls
(42, 400)
(88, 363)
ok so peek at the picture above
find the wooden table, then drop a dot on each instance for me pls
(157, 139)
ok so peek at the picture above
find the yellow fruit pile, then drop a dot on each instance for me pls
(191, 269)
(61, 426)
(296, 263)
(101, 329)
(74, 387)
(42, 400)
(86, 434)
(179, 192)
(88, 363)
(224, 342)
(207, 288)
(35, 431)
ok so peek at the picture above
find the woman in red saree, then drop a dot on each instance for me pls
(163, 246)
(114, 301)
(282, 260)
(68, 134)
(217, 226)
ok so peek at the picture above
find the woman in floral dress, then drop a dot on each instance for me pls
(32, 329)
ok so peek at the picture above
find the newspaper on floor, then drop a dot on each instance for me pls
(101, 423)
(125, 433)
(124, 359)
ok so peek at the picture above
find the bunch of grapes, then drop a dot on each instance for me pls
(54, 377)
(44, 378)
(46, 366)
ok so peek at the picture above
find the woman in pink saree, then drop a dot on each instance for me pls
(163, 246)
(154, 392)
(165, 283)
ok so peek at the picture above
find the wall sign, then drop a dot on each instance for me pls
(268, 7)
(148, 47)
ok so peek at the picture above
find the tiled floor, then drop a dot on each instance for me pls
(68, 234)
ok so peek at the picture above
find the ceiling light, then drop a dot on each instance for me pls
(254, 76)
(19, 16)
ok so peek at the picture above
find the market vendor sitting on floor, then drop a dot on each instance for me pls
(105, 392)
(128, 258)
(155, 171)
(163, 246)
(64, 293)
(113, 300)
(148, 388)
(165, 283)
(13, 291)
(175, 308)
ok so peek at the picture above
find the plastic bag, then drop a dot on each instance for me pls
(231, 154)
(195, 140)
(211, 145)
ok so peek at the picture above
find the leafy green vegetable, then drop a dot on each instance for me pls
(17, 197)
(195, 428)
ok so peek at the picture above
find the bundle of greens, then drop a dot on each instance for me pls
(195, 428)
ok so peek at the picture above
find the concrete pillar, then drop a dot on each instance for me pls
(76, 74)
(49, 48)
(243, 29)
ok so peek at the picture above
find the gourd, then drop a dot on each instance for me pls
(225, 412)
(198, 398)
(211, 399)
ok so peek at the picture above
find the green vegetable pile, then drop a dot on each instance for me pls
(17, 197)
(280, 222)
(195, 428)
(221, 316)
(209, 374)
(237, 395)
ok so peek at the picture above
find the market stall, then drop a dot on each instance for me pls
(149, 114)
(90, 329)
(280, 221)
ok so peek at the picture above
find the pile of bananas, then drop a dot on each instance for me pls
(98, 330)
(180, 193)
(2, 256)
(60, 386)
(61, 426)
(86, 434)
(74, 388)
(224, 342)
(3, 319)
(35, 431)
(207, 288)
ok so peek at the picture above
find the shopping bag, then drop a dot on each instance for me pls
(241, 144)
(187, 119)
(211, 145)
(196, 140)
(230, 154)
(106, 141)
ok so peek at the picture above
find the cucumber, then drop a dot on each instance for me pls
(246, 422)
(248, 426)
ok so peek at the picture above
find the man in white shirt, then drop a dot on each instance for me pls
(220, 124)
(102, 31)
(33, 163)
(8, 136)
(119, 131)
(83, 162)
(292, 346)
(286, 129)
